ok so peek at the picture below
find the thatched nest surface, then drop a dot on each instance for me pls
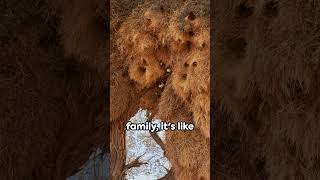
(155, 42)
(53, 87)
(266, 70)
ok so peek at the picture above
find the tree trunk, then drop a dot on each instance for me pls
(117, 149)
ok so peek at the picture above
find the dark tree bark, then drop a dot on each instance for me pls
(117, 149)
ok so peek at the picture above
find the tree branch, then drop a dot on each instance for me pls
(135, 163)
(157, 139)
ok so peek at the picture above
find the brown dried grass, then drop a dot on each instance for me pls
(146, 46)
(146, 70)
(267, 79)
(85, 21)
(52, 106)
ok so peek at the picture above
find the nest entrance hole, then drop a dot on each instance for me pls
(142, 70)
(244, 10)
(271, 8)
(184, 77)
(191, 16)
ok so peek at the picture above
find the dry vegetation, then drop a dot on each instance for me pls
(266, 68)
(53, 86)
(160, 61)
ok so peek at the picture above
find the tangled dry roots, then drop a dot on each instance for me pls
(164, 47)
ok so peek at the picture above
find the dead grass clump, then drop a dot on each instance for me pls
(37, 103)
(144, 42)
(52, 106)
(186, 173)
(120, 10)
(188, 38)
(150, 21)
(231, 49)
(191, 82)
(296, 124)
(281, 39)
(267, 78)
(201, 41)
(145, 70)
(291, 86)
(171, 106)
(204, 171)
(181, 81)
(170, 60)
(20, 100)
(182, 145)
(187, 23)
(163, 55)
(285, 161)
(191, 15)
(83, 31)
(201, 113)
(191, 74)
(199, 72)
(155, 18)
